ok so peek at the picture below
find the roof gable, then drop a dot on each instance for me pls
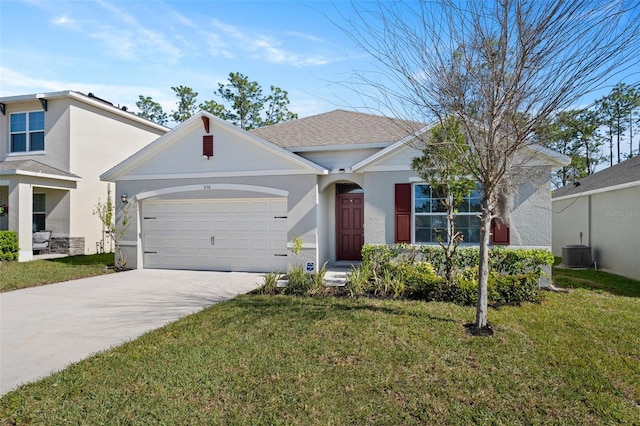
(398, 156)
(625, 173)
(235, 152)
(337, 128)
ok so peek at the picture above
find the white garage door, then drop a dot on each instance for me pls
(219, 235)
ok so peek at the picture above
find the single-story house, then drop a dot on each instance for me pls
(602, 211)
(210, 196)
(52, 149)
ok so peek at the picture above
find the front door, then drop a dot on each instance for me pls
(349, 224)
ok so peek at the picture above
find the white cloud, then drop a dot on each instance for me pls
(65, 21)
(260, 46)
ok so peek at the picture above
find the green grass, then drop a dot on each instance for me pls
(16, 275)
(572, 359)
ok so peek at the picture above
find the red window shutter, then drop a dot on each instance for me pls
(207, 146)
(403, 212)
(500, 234)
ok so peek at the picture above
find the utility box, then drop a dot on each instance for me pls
(577, 256)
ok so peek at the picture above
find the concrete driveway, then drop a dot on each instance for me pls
(43, 329)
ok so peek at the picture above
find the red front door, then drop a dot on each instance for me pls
(349, 223)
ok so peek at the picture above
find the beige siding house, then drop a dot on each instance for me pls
(602, 211)
(208, 195)
(53, 147)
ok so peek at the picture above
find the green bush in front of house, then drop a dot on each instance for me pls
(415, 272)
(9, 245)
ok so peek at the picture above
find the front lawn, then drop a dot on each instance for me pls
(572, 359)
(16, 275)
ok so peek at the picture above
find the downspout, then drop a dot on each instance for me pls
(594, 258)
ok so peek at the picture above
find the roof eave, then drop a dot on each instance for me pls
(85, 99)
(19, 172)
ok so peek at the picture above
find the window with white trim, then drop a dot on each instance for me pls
(39, 212)
(430, 215)
(27, 131)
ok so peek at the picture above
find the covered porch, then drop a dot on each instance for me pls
(37, 197)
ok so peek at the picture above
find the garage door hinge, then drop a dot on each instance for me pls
(150, 217)
(281, 255)
(279, 217)
(150, 252)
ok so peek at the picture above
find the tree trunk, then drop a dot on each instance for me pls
(483, 270)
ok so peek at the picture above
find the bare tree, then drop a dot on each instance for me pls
(501, 68)
(439, 167)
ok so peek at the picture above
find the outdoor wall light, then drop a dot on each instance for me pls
(124, 198)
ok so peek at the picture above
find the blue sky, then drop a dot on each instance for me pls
(121, 49)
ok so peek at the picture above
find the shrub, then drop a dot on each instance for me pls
(513, 289)
(316, 282)
(299, 282)
(460, 291)
(9, 249)
(270, 285)
(505, 261)
(419, 278)
(359, 281)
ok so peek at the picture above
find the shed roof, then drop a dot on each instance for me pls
(339, 127)
(623, 173)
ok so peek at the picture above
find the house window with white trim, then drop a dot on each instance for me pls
(430, 215)
(27, 131)
(39, 212)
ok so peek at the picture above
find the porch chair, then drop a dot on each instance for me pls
(41, 241)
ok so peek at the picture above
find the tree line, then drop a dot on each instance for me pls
(600, 134)
(243, 103)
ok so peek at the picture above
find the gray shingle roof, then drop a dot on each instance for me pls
(626, 172)
(33, 167)
(337, 127)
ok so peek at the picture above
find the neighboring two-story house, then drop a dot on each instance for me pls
(53, 147)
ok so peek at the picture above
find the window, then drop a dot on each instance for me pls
(430, 216)
(39, 212)
(27, 131)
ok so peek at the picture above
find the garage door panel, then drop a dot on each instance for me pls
(247, 235)
(240, 225)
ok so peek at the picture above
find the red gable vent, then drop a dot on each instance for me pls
(207, 146)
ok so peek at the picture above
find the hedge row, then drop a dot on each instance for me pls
(419, 281)
(416, 272)
(9, 245)
(505, 261)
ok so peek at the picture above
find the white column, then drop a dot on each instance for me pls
(21, 217)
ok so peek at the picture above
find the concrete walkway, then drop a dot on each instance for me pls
(43, 329)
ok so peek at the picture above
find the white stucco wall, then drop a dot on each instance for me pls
(531, 214)
(569, 219)
(530, 219)
(56, 127)
(302, 204)
(610, 222)
(98, 141)
(379, 205)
